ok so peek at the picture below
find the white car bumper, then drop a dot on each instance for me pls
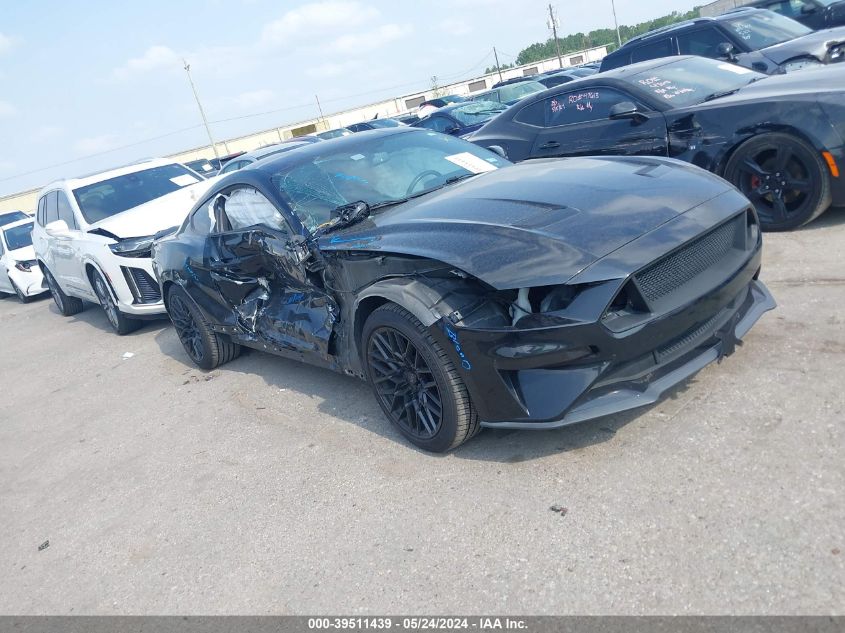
(30, 283)
(135, 285)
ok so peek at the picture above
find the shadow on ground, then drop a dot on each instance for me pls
(351, 400)
(94, 316)
(834, 216)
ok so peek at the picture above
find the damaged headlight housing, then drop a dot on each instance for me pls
(800, 64)
(133, 247)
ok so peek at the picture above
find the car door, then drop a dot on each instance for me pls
(56, 243)
(578, 123)
(5, 282)
(261, 280)
(68, 260)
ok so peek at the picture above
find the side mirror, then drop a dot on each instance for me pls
(625, 110)
(297, 249)
(453, 129)
(808, 9)
(498, 149)
(57, 228)
(726, 51)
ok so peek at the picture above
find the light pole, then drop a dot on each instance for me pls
(618, 36)
(553, 24)
(202, 112)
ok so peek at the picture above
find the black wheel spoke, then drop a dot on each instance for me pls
(749, 165)
(782, 158)
(779, 209)
(404, 383)
(798, 184)
(186, 328)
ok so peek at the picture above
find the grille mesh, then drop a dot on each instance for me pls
(147, 286)
(673, 271)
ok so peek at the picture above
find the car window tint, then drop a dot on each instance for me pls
(581, 106)
(437, 123)
(247, 208)
(532, 114)
(203, 219)
(653, 50)
(65, 211)
(702, 42)
(52, 210)
(42, 205)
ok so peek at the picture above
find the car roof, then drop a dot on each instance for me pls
(99, 176)
(670, 28)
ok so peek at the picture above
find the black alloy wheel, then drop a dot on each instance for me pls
(186, 328)
(415, 382)
(205, 347)
(784, 178)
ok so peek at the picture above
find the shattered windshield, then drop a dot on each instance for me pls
(477, 112)
(379, 171)
(765, 28)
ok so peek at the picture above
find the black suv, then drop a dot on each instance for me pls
(815, 14)
(755, 38)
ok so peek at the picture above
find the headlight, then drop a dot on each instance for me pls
(26, 266)
(801, 64)
(133, 247)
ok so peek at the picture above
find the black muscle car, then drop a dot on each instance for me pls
(779, 139)
(466, 290)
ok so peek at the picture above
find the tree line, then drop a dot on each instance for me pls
(600, 37)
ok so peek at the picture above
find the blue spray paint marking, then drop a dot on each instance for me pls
(453, 336)
(296, 297)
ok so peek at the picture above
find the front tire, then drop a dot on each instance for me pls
(119, 321)
(21, 296)
(204, 346)
(416, 384)
(784, 177)
(68, 306)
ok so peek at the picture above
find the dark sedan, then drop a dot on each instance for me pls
(780, 139)
(468, 291)
(755, 38)
(461, 118)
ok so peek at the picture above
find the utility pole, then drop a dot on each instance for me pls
(202, 112)
(618, 36)
(320, 108)
(498, 70)
(553, 27)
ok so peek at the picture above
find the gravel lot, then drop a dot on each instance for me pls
(267, 486)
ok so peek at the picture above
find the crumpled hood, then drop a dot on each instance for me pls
(24, 254)
(538, 222)
(814, 44)
(155, 215)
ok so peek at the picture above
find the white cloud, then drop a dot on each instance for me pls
(370, 40)
(47, 133)
(6, 43)
(96, 144)
(154, 58)
(253, 99)
(333, 69)
(7, 109)
(317, 18)
(452, 26)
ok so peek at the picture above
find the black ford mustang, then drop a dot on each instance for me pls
(468, 291)
(779, 139)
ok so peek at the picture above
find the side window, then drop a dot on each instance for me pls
(532, 114)
(245, 208)
(41, 215)
(65, 211)
(234, 165)
(653, 50)
(52, 211)
(203, 219)
(437, 123)
(568, 108)
(702, 42)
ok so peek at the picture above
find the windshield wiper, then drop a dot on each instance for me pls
(345, 215)
(719, 95)
(455, 179)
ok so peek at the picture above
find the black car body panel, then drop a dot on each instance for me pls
(827, 46)
(809, 104)
(641, 289)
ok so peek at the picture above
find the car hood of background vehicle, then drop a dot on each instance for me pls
(25, 254)
(803, 84)
(536, 223)
(155, 215)
(814, 44)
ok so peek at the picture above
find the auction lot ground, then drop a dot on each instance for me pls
(269, 487)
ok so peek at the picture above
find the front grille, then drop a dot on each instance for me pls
(676, 269)
(687, 340)
(144, 288)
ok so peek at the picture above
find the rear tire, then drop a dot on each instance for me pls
(415, 382)
(204, 346)
(68, 306)
(121, 323)
(784, 177)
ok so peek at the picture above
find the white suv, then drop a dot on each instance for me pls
(93, 235)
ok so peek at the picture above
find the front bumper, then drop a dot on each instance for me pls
(134, 286)
(645, 380)
(30, 283)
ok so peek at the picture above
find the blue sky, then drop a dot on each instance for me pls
(80, 81)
